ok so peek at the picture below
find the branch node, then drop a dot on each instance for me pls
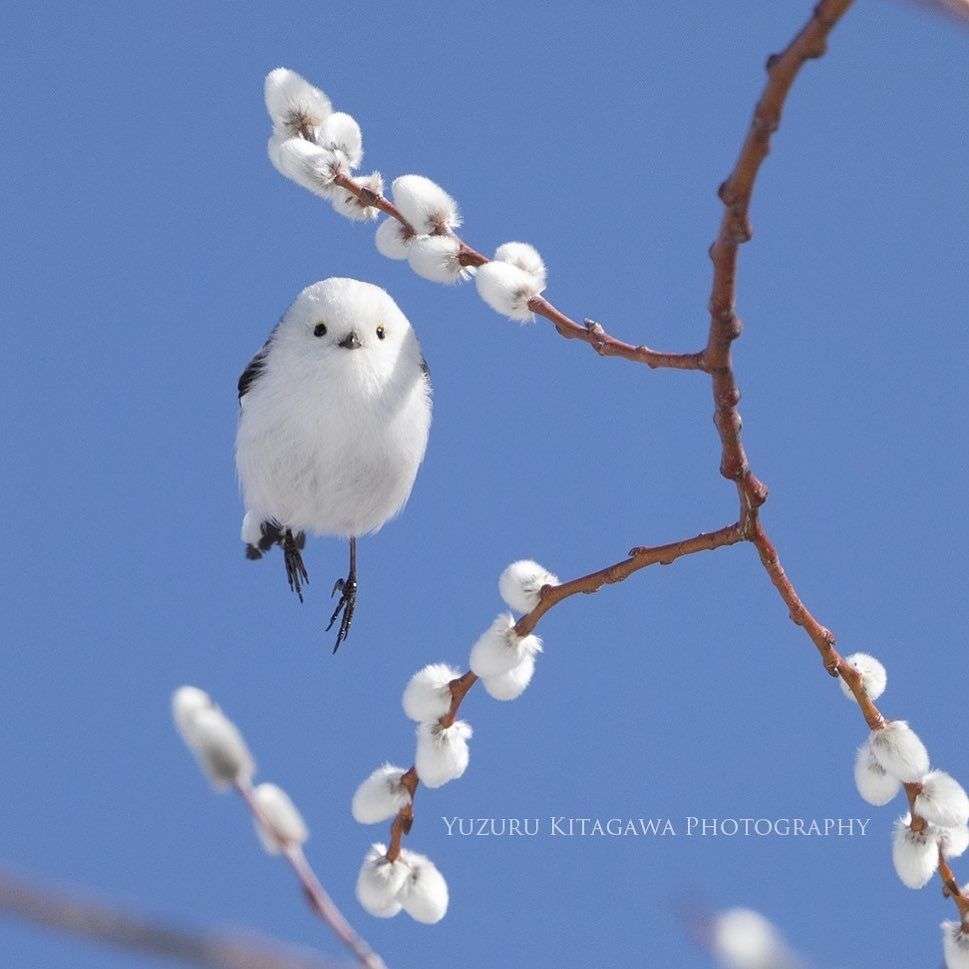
(728, 398)
(766, 124)
(733, 470)
(755, 490)
(817, 50)
(772, 59)
(597, 336)
(740, 229)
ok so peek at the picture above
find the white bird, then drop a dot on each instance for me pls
(334, 416)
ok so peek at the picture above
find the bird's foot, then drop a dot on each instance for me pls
(271, 534)
(296, 574)
(344, 609)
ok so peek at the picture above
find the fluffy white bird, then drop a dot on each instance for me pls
(334, 416)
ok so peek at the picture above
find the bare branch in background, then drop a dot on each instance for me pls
(224, 758)
(955, 9)
(83, 917)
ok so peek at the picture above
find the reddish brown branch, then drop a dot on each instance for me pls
(405, 816)
(552, 595)
(639, 558)
(725, 327)
(591, 333)
(735, 193)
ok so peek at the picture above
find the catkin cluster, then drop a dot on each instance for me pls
(505, 663)
(320, 149)
(224, 758)
(937, 824)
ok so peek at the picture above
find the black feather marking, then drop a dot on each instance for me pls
(251, 373)
(256, 366)
(425, 369)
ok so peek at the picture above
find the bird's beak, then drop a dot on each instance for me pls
(350, 342)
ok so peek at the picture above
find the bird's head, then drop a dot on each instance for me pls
(347, 329)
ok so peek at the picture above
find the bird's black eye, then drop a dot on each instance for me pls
(381, 332)
(319, 329)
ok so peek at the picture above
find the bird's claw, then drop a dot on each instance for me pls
(344, 608)
(296, 574)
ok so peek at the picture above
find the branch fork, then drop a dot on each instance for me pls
(725, 326)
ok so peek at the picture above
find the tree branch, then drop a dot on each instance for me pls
(736, 193)
(86, 918)
(589, 332)
(313, 890)
(725, 326)
(550, 596)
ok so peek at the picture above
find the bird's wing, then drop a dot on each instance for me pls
(256, 366)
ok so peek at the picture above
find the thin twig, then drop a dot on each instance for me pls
(639, 558)
(86, 918)
(591, 333)
(316, 895)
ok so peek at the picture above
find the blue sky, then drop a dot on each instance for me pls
(150, 247)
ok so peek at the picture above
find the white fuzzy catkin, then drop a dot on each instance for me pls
(442, 752)
(512, 684)
(915, 854)
(380, 796)
(942, 800)
(743, 939)
(520, 584)
(436, 258)
(348, 205)
(507, 289)
(952, 841)
(341, 133)
(873, 676)
(293, 103)
(380, 881)
(424, 894)
(425, 205)
(187, 703)
(219, 748)
(393, 240)
(305, 163)
(279, 822)
(874, 783)
(499, 648)
(427, 696)
(898, 749)
(524, 256)
(955, 945)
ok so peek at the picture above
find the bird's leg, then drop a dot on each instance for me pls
(348, 598)
(296, 574)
